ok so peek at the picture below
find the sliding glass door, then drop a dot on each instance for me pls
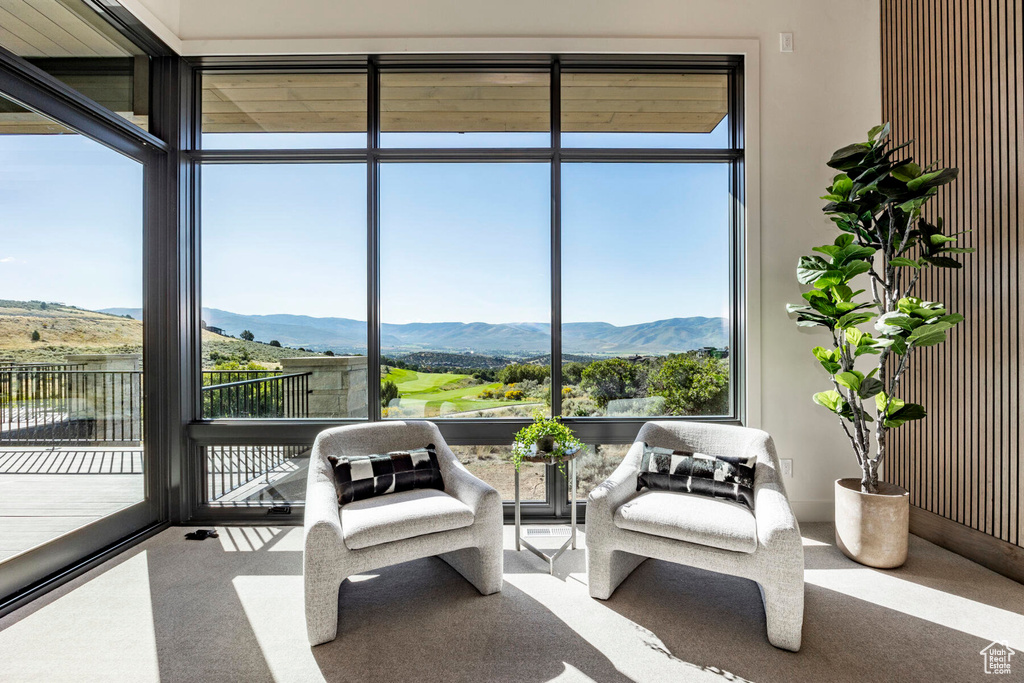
(73, 455)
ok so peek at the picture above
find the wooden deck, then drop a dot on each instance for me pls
(47, 492)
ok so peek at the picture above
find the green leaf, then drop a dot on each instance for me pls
(908, 412)
(827, 359)
(830, 278)
(810, 268)
(849, 157)
(926, 181)
(905, 262)
(831, 400)
(871, 386)
(943, 262)
(887, 405)
(879, 133)
(850, 379)
(828, 249)
(854, 318)
(894, 322)
(906, 172)
(959, 250)
(841, 185)
(855, 268)
(844, 241)
(930, 337)
(854, 336)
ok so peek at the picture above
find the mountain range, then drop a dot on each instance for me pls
(346, 335)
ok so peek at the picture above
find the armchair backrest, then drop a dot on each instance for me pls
(378, 437)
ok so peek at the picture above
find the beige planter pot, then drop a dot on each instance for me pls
(872, 528)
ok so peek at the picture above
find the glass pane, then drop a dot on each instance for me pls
(493, 465)
(594, 465)
(645, 289)
(478, 109)
(645, 110)
(283, 110)
(243, 476)
(69, 41)
(465, 290)
(71, 442)
(284, 290)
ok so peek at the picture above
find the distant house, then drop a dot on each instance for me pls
(712, 352)
(216, 330)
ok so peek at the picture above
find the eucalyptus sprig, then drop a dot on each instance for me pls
(876, 201)
(525, 442)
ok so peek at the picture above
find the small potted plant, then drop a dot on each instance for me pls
(546, 440)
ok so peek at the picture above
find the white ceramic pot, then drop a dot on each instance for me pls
(872, 528)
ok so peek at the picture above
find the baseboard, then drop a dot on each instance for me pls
(813, 510)
(994, 553)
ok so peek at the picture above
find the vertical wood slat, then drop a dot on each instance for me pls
(952, 75)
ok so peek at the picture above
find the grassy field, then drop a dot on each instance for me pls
(427, 388)
(66, 330)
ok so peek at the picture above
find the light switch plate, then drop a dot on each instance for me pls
(785, 42)
(787, 467)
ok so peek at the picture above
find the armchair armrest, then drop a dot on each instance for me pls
(462, 484)
(322, 521)
(776, 523)
(617, 488)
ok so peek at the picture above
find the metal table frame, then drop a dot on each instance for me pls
(571, 541)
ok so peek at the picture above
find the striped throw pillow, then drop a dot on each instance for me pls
(663, 469)
(357, 477)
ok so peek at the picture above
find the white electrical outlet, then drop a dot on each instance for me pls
(787, 467)
(785, 42)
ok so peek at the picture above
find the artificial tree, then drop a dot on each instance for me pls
(876, 202)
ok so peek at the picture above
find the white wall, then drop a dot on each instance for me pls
(821, 96)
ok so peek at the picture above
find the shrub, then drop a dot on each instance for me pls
(514, 395)
(35, 335)
(693, 386)
(247, 335)
(521, 372)
(388, 393)
(328, 352)
(572, 372)
(607, 380)
(274, 342)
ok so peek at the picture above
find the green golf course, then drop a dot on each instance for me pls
(428, 387)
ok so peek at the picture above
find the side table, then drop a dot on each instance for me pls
(571, 541)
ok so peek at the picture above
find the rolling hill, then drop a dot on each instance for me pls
(347, 335)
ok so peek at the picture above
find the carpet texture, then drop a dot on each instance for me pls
(230, 609)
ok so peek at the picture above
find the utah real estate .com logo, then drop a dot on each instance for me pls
(997, 657)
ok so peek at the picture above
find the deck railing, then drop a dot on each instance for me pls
(229, 468)
(270, 394)
(41, 404)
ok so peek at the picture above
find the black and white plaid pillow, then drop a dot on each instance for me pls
(357, 477)
(663, 469)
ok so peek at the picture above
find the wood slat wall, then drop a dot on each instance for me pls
(953, 80)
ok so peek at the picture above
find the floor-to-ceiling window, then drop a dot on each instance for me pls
(472, 242)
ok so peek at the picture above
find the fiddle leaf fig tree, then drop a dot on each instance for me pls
(876, 203)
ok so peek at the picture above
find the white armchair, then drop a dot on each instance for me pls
(462, 524)
(625, 527)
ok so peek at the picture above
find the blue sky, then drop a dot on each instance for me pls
(459, 242)
(70, 222)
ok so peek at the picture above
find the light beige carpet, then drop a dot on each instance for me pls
(231, 610)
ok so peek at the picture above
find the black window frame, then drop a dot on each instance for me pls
(462, 431)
